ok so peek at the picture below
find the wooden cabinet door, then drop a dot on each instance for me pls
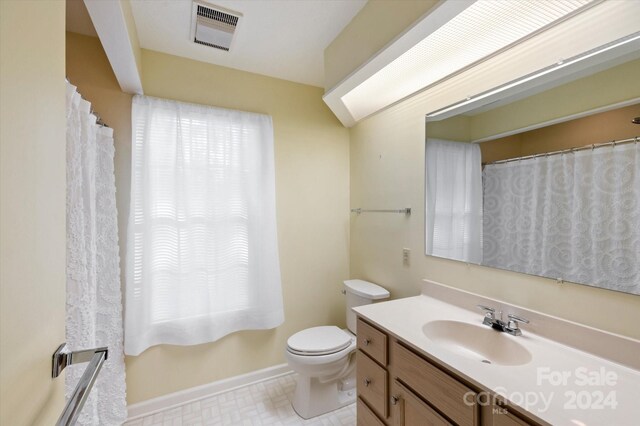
(409, 410)
(442, 390)
(372, 384)
(365, 416)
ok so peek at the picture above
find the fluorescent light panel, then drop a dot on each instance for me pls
(442, 113)
(482, 29)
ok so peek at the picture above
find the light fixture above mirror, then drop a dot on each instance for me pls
(448, 54)
(537, 79)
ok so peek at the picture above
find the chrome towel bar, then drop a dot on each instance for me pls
(62, 357)
(406, 210)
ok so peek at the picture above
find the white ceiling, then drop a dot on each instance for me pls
(278, 38)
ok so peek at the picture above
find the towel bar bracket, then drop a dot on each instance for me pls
(63, 357)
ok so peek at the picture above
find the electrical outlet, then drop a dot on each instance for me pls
(406, 257)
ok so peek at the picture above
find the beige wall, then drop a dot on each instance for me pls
(312, 190)
(387, 171)
(32, 209)
(376, 25)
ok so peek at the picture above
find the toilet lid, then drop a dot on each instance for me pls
(319, 340)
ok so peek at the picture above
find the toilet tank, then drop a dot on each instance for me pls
(360, 292)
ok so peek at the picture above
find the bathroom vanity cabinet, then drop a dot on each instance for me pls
(399, 386)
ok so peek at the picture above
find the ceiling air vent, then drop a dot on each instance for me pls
(213, 26)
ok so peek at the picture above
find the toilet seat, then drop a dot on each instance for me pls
(317, 341)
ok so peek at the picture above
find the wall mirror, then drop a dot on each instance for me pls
(535, 184)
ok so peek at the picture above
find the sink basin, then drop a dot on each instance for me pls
(477, 342)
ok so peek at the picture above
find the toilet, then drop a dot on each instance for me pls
(324, 357)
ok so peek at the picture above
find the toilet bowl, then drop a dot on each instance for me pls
(324, 357)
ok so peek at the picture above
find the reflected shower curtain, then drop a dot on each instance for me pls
(574, 216)
(94, 305)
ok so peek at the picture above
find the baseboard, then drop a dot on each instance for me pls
(151, 406)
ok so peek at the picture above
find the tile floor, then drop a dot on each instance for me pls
(264, 403)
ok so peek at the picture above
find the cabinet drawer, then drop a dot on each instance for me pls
(365, 416)
(409, 410)
(372, 384)
(443, 392)
(372, 341)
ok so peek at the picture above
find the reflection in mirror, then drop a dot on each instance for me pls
(454, 200)
(557, 200)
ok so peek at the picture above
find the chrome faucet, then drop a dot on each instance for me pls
(511, 326)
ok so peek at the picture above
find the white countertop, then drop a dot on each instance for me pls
(577, 401)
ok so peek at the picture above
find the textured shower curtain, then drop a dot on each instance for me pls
(94, 305)
(574, 216)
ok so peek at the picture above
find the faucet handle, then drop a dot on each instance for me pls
(512, 325)
(516, 318)
(488, 310)
(489, 314)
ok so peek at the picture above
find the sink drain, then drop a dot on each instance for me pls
(486, 361)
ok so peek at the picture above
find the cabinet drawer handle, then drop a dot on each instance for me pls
(395, 399)
(367, 341)
(367, 382)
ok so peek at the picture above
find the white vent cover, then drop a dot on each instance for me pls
(213, 26)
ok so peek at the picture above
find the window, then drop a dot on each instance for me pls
(202, 258)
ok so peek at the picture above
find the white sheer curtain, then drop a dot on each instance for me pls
(94, 305)
(202, 252)
(573, 216)
(453, 200)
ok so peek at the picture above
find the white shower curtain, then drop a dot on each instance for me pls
(574, 216)
(94, 305)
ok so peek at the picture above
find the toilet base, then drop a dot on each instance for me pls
(313, 398)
